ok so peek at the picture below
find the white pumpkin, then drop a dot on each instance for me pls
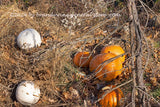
(27, 93)
(29, 38)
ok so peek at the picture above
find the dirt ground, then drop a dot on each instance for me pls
(51, 65)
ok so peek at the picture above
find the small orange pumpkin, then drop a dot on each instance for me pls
(81, 59)
(116, 49)
(112, 99)
(109, 71)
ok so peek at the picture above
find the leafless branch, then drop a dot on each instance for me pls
(150, 97)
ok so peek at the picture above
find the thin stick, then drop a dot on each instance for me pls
(148, 49)
(148, 95)
(128, 104)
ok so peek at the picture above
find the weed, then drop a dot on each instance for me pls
(156, 93)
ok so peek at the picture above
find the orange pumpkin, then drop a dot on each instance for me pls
(112, 99)
(116, 49)
(81, 59)
(109, 71)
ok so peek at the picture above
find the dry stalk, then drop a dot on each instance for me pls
(137, 36)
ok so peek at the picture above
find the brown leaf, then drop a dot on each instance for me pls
(87, 27)
(9, 75)
(57, 89)
(51, 100)
(74, 93)
(49, 72)
(153, 81)
(100, 33)
(67, 95)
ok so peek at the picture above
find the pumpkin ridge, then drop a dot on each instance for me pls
(112, 99)
(82, 59)
(116, 49)
(104, 71)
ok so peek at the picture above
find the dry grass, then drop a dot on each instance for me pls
(43, 65)
(50, 65)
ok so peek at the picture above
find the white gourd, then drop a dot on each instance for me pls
(28, 38)
(27, 93)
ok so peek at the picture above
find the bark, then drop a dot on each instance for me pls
(136, 50)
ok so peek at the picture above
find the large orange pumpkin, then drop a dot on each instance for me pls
(116, 49)
(82, 59)
(109, 71)
(112, 99)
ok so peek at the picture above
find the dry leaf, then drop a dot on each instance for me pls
(51, 100)
(57, 89)
(9, 75)
(74, 93)
(39, 102)
(49, 72)
(149, 37)
(155, 55)
(86, 28)
(100, 33)
(156, 34)
(67, 95)
(153, 81)
(44, 98)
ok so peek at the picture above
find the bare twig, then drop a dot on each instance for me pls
(147, 46)
(128, 105)
(150, 9)
(151, 97)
